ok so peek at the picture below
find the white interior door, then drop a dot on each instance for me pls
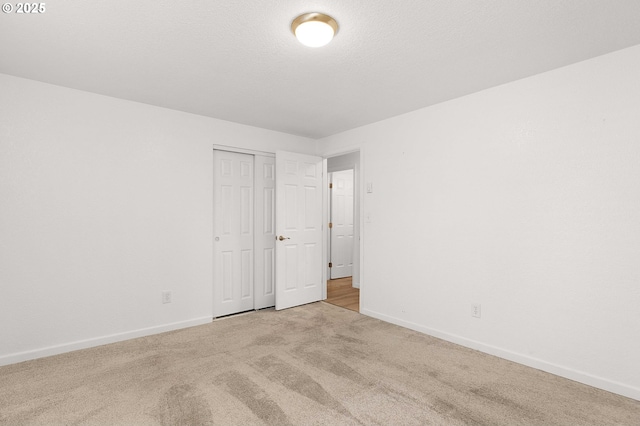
(299, 266)
(233, 233)
(265, 229)
(341, 224)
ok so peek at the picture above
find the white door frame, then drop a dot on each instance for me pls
(359, 174)
(359, 208)
(324, 205)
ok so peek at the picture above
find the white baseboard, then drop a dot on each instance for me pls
(99, 341)
(558, 370)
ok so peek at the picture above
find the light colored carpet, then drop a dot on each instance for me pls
(315, 364)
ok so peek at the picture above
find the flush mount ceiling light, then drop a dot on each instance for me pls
(314, 29)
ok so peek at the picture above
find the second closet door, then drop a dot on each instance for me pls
(265, 179)
(233, 251)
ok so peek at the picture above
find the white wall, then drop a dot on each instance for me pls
(104, 204)
(524, 198)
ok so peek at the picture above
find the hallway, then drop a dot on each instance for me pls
(341, 293)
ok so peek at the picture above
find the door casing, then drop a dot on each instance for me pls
(358, 272)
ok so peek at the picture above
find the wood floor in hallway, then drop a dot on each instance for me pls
(341, 293)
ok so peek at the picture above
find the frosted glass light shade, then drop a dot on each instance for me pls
(314, 29)
(314, 33)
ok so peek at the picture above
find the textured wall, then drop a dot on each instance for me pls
(524, 198)
(105, 203)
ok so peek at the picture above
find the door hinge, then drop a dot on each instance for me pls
(330, 225)
(330, 265)
(330, 185)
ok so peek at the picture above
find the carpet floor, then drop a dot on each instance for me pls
(312, 365)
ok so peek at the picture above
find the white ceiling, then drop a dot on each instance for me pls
(237, 59)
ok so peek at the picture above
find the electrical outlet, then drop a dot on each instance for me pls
(475, 310)
(166, 297)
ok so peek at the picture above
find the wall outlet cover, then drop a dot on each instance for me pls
(476, 310)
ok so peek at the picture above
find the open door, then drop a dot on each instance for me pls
(341, 224)
(299, 233)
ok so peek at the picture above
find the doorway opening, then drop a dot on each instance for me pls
(340, 292)
(343, 236)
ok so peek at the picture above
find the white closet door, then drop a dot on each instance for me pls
(299, 264)
(233, 261)
(265, 295)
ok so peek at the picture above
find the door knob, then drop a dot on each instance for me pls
(281, 238)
